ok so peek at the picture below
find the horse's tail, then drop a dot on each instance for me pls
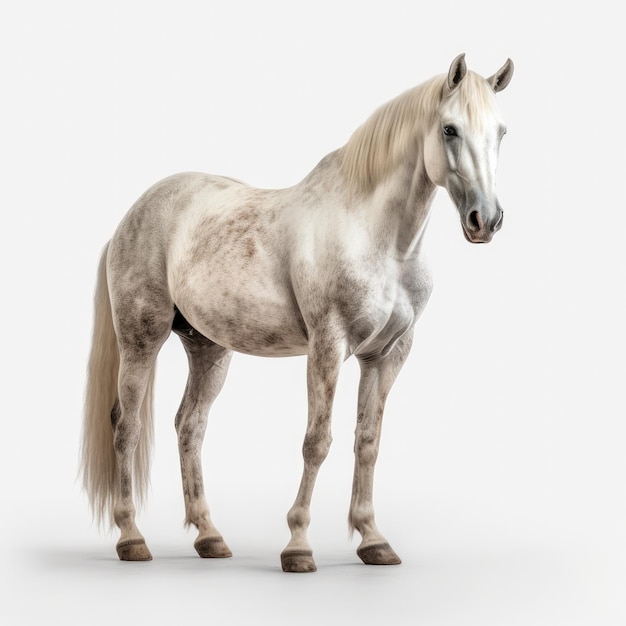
(99, 467)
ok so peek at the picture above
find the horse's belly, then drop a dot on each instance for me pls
(227, 275)
(258, 330)
(243, 311)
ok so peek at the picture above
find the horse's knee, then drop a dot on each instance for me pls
(366, 450)
(190, 436)
(316, 447)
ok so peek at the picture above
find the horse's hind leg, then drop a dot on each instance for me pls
(142, 313)
(141, 335)
(208, 366)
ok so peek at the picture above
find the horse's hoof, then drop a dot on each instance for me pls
(300, 561)
(378, 554)
(133, 550)
(212, 548)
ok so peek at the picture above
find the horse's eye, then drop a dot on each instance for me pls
(450, 131)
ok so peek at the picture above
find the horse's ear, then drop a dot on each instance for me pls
(457, 72)
(502, 77)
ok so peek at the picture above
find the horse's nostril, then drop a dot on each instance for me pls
(474, 221)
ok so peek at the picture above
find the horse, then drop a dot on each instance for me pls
(329, 268)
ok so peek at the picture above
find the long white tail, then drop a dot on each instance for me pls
(99, 466)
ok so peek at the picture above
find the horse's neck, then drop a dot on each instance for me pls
(401, 205)
(396, 210)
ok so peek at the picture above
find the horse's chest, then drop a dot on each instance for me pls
(375, 312)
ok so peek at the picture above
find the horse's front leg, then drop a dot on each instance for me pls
(377, 377)
(324, 361)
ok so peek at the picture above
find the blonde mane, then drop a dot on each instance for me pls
(376, 147)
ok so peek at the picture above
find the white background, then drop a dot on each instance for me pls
(501, 475)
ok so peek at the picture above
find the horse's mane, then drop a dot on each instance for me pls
(385, 138)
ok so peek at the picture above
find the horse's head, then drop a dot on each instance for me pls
(461, 147)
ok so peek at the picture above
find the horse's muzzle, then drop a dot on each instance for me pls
(476, 230)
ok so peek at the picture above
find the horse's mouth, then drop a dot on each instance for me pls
(480, 237)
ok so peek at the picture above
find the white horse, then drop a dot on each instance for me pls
(329, 268)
